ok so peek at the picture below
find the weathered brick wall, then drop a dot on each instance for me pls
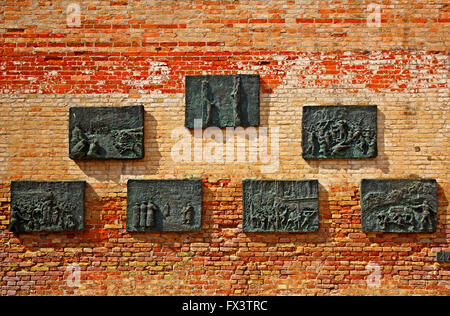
(307, 53)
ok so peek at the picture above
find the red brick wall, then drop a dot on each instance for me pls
(307, 53)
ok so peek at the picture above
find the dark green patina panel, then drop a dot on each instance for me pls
(398, 205)
(443, 256)
(339, 132)
(164, 205)
(222, 100)
(280, 206)
(47, 206)
(106, 132)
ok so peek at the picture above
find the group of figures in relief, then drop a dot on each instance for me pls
(280, 216)
(106, 133)
(46, 206)
(144, 214)
(339, 132)
(41, 211)
(285, 206)
(210, 105)
(222, 101)
(164, 205)
(399, 206)
(88, 145)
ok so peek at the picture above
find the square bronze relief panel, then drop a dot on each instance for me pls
(106, 133)
(164, 205)
(280, 206)
(47, 206)
(399, 205)
(339, 132)
(222, 101)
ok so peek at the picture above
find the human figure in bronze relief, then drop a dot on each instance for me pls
(306, 220)
(425, 218)
(70, 222)
(81, 146)
(151, 212)
(311, 143)
(15, 219)
(77, 135)
(322, 143)
(283, 217)
(55, 216)
(235, 100)
(46, 211)
(207, 104)
(372, 145)
(94, 149)
(187, 214)
(143, 217)
(79, 143)
(166, 210)
(291, 222)
(382, 220)
(136, 216)
(341, 127)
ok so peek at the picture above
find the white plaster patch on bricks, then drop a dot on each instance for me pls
(158, 73)
(410, 72)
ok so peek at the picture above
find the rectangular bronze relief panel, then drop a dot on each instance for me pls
(399, 205)
(47, 206)
(339, 132)
(280, 206)
(443, 256)
(106, 132)
(164, 205)
(222, 100)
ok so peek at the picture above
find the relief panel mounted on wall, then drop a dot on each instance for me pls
(164, 205)
(222, 101)
(339, 132)
(398, 205)
(47, 206)
(280, 206)
(443, 256)
(106, 132)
